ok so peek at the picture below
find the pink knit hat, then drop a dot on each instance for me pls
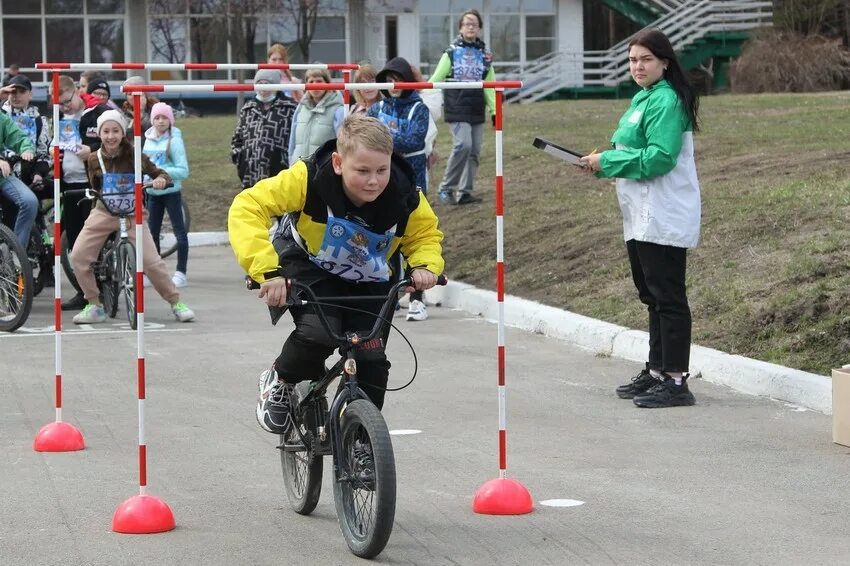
(162, 109)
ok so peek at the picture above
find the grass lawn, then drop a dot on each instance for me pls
(770, 278)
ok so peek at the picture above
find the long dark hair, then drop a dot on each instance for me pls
(655, 40)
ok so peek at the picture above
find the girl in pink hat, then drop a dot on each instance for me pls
(164, 146)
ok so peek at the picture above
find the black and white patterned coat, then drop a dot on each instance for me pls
(259, 147)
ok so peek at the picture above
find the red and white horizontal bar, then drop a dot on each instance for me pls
(319, 86)
(192, 66)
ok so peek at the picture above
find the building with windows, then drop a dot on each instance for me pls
(233, 31)
(542, 42)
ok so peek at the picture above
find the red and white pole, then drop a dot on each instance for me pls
(501, 496)
(57, 436)
(346, 94)
(142, 513)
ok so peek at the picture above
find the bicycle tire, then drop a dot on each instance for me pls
(168, 229)
(302, 472)
(36, 257)
(365, 503)
(65, 260)
(127, 273)
(109, 280)
(16, 284)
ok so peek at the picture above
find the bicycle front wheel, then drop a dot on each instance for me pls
(65, 259)
(16, 284)
(127, 273)
(167, 231)
(365, 491)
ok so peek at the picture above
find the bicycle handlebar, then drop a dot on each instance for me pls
(292, 300)
(91, 194)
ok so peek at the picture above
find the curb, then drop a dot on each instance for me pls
(753, 377)
(199, 239)
(746, 375)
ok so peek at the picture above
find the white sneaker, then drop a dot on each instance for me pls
(179, 279)
(145, 281)
(182, 312)
(416, 310)
(90, 315)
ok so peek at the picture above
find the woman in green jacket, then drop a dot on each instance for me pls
(652, 158)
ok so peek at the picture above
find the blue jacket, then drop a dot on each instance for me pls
(174, 163)
(407, 118)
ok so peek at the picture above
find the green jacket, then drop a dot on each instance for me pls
(12, 137)
(651, 130)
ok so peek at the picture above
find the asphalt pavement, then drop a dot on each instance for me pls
(736, 479)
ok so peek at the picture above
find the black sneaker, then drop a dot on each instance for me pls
(75, 303)
(467, 198)
(639, 384)
(273, 406)
(666, 394)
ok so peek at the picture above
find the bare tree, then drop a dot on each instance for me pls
(304, 13)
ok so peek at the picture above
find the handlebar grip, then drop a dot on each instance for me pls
(442, 280)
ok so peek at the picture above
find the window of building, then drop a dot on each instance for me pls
(22, 41)
(106, 41)
(65, 41)
(328, 45)
(539, 36)
(63, 6)
(505, 33)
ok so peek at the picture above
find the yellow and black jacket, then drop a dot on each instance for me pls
(307, 190)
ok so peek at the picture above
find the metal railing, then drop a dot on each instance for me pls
(685, 22)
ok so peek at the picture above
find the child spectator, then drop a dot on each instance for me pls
(34, 125)
(86, 78)
(74, 153)
(408, 119)
(278, 55)
(317, 118)
(127, 108)
(12, 188)
(364, 99)
(352, 189)
(113, 160)
(259, 146)
(166, 150)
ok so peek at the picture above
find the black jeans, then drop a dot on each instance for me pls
(172, 203)
(74, 212)
(304, 353)
(659, 275)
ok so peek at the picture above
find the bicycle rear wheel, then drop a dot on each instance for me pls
(168, 231)
(65, 259)
(365, 492)
(127, 275)
(302, 472)
(109, 279)
(16, 284)
(39, 260)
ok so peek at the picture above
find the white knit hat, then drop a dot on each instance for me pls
(111, 116)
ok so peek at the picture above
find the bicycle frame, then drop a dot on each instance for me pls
(346, 366)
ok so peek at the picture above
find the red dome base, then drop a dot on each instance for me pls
(58, 437)
(502, 496)
(143, 514)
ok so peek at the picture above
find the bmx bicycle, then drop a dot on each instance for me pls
(115, 266)
(351, 430)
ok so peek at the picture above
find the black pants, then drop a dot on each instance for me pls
(73, 214)
(659, 275)
(304, 353)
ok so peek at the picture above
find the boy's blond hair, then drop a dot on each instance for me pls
(363, 131)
